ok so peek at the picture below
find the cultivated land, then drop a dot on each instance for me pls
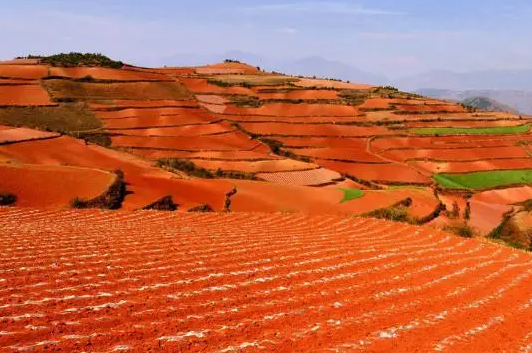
(297, 171)
(254, 283)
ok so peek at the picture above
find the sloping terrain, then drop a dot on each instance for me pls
(254, 283)
(244, 139)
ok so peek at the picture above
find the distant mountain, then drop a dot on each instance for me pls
(320, 67)
(487, 104)
(520, 101)
(310, 66)
(475, 80)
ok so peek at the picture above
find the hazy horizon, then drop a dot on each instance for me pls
(382, 36)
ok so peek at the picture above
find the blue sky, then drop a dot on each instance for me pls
(389, 37)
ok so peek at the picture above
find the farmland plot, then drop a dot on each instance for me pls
(254, 282)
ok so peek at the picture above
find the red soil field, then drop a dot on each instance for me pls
(214, 71)
(423, 202)
(192, 130)
(198, 85)
(212, 99)
(454, 154)
(303, 109)
(300, 94)
(20, 62)
(295, 119)
(149, 112)
(340, 154)
(347, 184)
(126, 103)
(31, 72)
(505, 196)
(308, 82)
(226, 142)
(325, 142)
(377, 103)
(465, 124)
(477, 166)
(101, 73)
(220, 156)
(52, 186)
(313, 130)
(268, 166)
(240, 67)
(447, 142)
(245, 282)
(194, 118)
(314, 177)
(430, 108)
(386, 173)
(10, 135)
(255, 196)
(11, 82)
(214, 108)
(24, 96)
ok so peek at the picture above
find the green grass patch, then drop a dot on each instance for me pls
(484, 180)
(495, 130)
(351, 194)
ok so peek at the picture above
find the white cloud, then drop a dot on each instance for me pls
(289, 30)
(320, 7)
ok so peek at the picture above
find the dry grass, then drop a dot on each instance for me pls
(64, 90)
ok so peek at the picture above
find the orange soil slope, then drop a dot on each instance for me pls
(387, 173)
(254, 282)
(24, 95)
(52, 186)
(313, 130)
(28, 72)
(11, 135)
(100, 73)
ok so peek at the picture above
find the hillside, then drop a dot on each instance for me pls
(487, 105)
(230, 137)
(223, 208)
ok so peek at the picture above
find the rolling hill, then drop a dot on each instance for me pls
(223, 208)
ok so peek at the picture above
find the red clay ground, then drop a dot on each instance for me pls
(192, 130)
(268, 166)
(11, 135)
(454, 154)
(254, 282)
(149, 112)
(124, 104)
(100, 73)
(52, 186)
(313, 130)
(315, 177)
(477, 166)
(300, 94)
(226, 142)
(29, 72)
(303, 109)
(307, 82)
(387, 173)
(24, 95)
(339, 154)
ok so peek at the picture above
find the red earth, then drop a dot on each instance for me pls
(28, 72)
(11, 135)
(48, 186)
(313, 130)
(274, 282)
(24, 95)
(101, 73)
(303, 109)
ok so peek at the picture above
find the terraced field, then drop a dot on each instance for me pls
(234, 121)
(254, 283)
